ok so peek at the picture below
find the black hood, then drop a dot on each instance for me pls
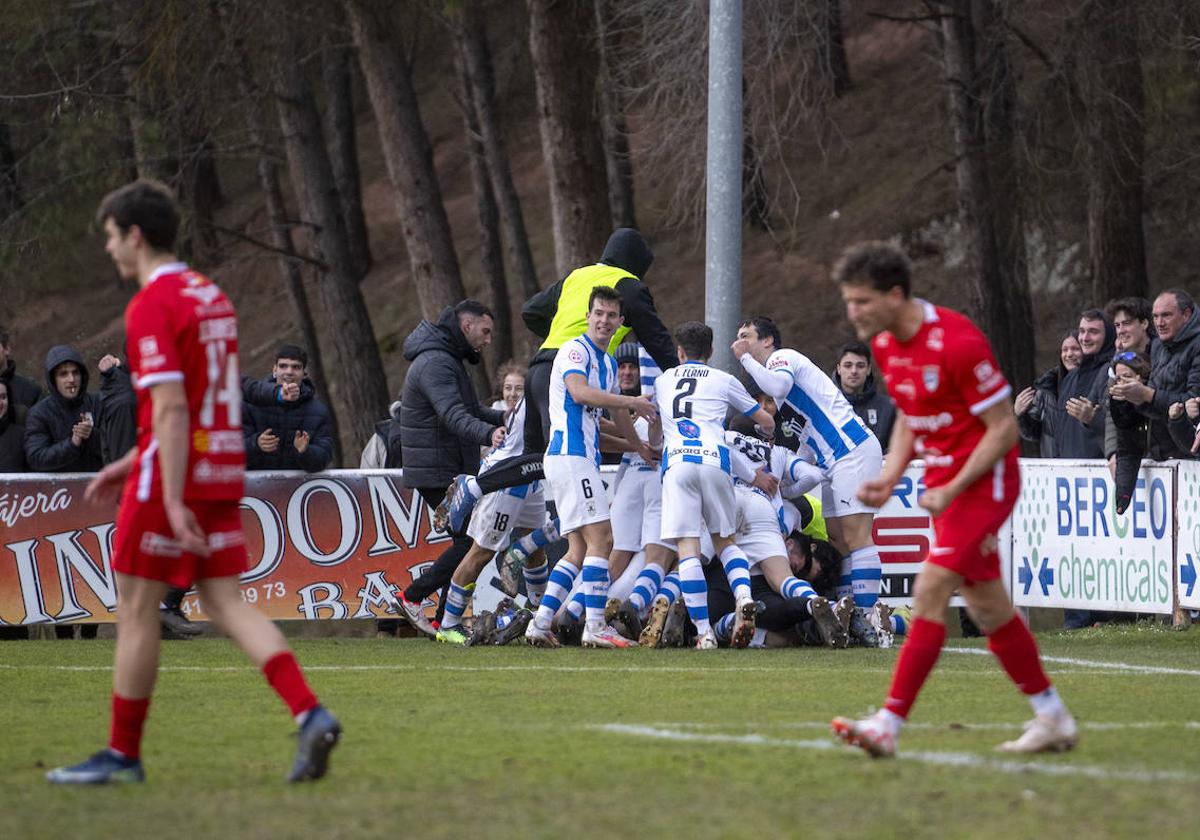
(868, 389)
(59, 354)
(628, 250)
(444, 335)
(1093, 361)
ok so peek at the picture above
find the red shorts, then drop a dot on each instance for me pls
(145, 547)
(964, 536)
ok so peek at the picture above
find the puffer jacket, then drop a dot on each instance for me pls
(1174, 376)
(1073, 439)
(874, 408)
(285, 419)
(117, 423)
(48, 446)
(442, 423)
(1041, 418)
(12, 442)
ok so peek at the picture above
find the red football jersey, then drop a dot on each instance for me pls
(942, 379)
(181, 328)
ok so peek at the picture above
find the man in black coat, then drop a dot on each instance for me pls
(854, 376)
(60, 431)
(292, 431)
(23, 392)
(442, 426)
(1174, 370)
(1080, 430)
(117, 421)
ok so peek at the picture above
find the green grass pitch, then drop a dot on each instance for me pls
(447, 742)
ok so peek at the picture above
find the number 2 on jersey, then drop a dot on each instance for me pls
(680, 407)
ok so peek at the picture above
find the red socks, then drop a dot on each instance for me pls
(284, 675)
(128, 718)
(916, 660)
(1014, 646)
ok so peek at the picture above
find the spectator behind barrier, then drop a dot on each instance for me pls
(855, 376)
(1128, 366)
(1080, 424)
(383, 450)
(1037, 406)
(23, 392)
(293, 433)
(1131, 317)
(117, 424)
(12, 434)
(60, 431)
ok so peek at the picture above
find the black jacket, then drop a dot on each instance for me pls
(442, 424)
(626, 249)
(1131, 448)
(306, 414)
(48, 446)
(874, 408)
(117, 423)
(12, 442)
(21, 389)
(1041, 418)
(1174, 376)
(1072, 439)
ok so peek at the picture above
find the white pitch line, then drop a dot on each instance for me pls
(945, 759)
(1097, 726)
(1093, 663)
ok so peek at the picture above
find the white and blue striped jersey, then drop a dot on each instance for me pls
(575, 428)
(693, 400)
(649, 371)
(514, 445)
(795, 475)
(828, 424)
(632, 459)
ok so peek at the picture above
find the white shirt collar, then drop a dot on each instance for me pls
(167, 268)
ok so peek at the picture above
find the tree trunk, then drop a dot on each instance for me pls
(833, 47)
(565, 67)
(343, 150)
(199, 189)
(996, 276)
(10, 184)
(617, 160)
(1116, 148)
(409, 158)
(362, 383)
(492, 252)
(483, 81)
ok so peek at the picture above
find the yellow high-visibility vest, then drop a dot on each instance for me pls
(570, 319)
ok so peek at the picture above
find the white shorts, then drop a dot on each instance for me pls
(758, 534)
(697, 499)
(578, 492)
(637, 510)
(497, 514)
(839, 493)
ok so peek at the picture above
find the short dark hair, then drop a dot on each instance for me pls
(880, 265)
(856, 347)
(1138, 308)
(472, 307)
(1182, 299)
(1093, 314)
(695, 339)
(606, 293)
(764, 327)
(148, 204)
(292, 351)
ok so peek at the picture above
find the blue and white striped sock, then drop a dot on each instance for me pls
(540, 538)
(577, 603)
(737, 570)
(595, 589)
(794, 587)
(558, 586)
(845, 585)
(535, 582)
(866, 576)
(670, 588)
(456, 604)
(695, 592)
(724, 627)
(645, 588)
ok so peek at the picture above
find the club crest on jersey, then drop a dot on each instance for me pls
(936, 340)
(688, 429)
(931, 376)
(575, 355)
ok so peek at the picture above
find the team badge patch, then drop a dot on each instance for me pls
(688, 429)
(575, 355)
(931, 376)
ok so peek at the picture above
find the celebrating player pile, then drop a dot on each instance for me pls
(954, 412)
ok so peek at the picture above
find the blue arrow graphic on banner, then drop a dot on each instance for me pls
(1187, 575)
(1025, 574)
(1046, 576)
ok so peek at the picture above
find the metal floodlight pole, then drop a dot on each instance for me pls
(723, 194)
